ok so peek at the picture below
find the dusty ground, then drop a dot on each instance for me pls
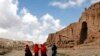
(64, 52)
(81, 52)
(21, 53)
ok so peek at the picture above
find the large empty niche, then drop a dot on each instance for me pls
(83, 33)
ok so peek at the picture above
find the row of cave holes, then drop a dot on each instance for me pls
(83, 34)
(66, 42)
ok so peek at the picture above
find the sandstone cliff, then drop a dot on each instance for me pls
(85, 31)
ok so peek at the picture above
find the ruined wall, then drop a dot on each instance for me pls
(85, 31)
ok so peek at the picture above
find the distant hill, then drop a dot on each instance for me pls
(7, 43)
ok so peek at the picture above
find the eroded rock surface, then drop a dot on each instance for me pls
(85, 31)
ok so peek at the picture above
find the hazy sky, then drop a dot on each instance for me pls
(35, 19)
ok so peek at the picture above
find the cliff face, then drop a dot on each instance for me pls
(85, 31)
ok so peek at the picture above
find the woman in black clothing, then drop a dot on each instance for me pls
(27, 51)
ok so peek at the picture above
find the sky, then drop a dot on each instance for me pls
(34, 20)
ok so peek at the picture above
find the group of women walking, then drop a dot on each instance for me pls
(42, 49)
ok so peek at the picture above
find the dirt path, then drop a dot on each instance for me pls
(21, 53)
(62, 52)
(15, 53)
(80, 52)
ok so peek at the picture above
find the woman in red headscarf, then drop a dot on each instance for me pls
(43, 50)
(36, 50)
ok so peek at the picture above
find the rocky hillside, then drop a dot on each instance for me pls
(11, 44)
(86, 30)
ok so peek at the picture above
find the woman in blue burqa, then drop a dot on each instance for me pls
(54, 49)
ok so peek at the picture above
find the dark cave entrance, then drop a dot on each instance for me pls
(83, 33)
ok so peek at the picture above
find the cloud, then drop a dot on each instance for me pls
(2, 30)
(95, 1)
(67, 4)
(8, 14)
(28, 17)
(52, 22)
(25, 26)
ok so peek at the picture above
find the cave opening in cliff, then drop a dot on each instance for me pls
(83, 33)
